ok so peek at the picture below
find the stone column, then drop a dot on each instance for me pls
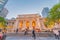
(30, 27)
(38, 23)
(24, 26)
(42, 24)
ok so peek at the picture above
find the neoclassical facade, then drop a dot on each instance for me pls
(26, 21)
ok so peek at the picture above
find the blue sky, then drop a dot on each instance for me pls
(16, 7)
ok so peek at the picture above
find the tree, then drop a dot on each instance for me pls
(2, 22)
(54, 14)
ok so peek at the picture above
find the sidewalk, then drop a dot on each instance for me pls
(41, 34)
(30, 38)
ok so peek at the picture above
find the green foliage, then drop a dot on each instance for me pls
(3, 21)
(54, 13)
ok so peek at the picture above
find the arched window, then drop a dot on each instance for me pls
(33, 24)
(20, 24)
(27, 24)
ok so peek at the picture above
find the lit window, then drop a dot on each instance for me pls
(33, 24)
(21, 24)
(27, 24)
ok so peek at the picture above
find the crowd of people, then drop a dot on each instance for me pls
(54, 30)
(26, 32)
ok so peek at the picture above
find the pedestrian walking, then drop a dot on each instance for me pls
(55, 30)
(16, 30)
(56, 33)
(33, 34)
(26, 32)
(59, 32)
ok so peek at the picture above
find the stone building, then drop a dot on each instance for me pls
(26, 21)
(10, 25)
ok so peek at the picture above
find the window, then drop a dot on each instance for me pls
(33, 24)
(27, 24)
(21, 24)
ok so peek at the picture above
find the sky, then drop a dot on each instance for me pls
(17, 7)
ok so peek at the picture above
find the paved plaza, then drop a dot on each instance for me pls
(18, 36)
(29, 38)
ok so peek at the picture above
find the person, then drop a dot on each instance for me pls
(4, 36)
(55, 30)
(1, 36)
(59, 32)
(56, 33)
(33, 32)
(26, 31)
(16, 30)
